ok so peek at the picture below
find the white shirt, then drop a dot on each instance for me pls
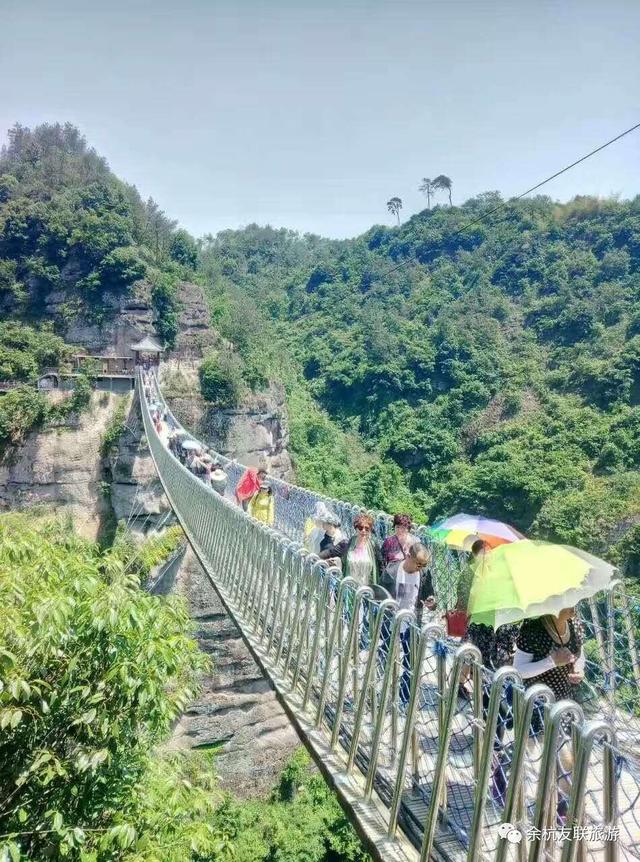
(407, 588)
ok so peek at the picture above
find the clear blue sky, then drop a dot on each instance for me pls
(311, 113)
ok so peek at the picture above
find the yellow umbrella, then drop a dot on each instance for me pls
(530, 579)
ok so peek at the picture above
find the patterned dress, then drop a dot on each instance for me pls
(535, 640)
(496, 647)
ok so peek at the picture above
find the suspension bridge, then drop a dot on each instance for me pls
(417, 774)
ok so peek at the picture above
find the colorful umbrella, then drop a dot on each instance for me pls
(530, 579)
(461, 531)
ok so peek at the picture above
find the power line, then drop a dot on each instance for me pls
(539, 185)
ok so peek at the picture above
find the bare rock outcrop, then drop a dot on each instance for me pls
(195, 334)
(237, 711)
(136, 492)
(255, 433)
(63, 467)
(124, 321)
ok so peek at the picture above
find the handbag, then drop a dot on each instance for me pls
(457, 623)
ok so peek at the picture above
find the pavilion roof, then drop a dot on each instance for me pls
(147, 345)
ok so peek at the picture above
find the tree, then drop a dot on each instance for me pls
(443, 183)
(164, 296)
(221, 379)
(394, 205)
(95, 671)
(183, 249)
(427, 188)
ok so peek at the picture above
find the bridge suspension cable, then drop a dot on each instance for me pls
(505, 204)
(423, 770)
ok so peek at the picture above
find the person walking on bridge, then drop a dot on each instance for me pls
(408, 587)
(262, 505)
(360, 556)
(332, 532)
(395, 549)
(313, 529)
(549, 650)
(218, 478)
(325, 529)
(249, 485)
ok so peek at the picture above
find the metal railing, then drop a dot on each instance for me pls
(455, 772)
(612, 621)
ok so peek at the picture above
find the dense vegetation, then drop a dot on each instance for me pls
(455, 361)
(74, 241)
(73, 234)
(24, 353)
(494, 368)
(93, 672)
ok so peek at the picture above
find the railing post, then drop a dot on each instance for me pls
(516, 774)
(354, 627)
(323, 594)
(611, 651)
(464, 653)
(564, 709)
(431, 631)
(502, 676)
(287, 562)
(589, 731)
(304, 589)
(403, 616)
(317, 581)
(361, 708)
(345, 583)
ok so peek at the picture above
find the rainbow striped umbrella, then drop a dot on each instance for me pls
(461, 531)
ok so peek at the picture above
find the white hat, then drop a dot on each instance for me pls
(320, 511)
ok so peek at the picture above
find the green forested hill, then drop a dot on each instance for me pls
(432, 366)
(69, 225)
(76, 239)
(494, 368)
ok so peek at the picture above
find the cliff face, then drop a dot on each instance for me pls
(136, 492)
(124, 320)
(195, 334)
(255, 433)
(63, 467)
(237, 711)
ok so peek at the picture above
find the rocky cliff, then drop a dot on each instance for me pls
(122, 321)
(63, 467)
(68, 467)
(255, 433)
(237, 712)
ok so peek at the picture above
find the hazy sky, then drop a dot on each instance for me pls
(311, 114)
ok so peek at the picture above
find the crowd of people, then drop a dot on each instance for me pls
(546, 650)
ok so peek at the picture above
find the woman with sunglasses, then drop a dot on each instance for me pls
(360, 556)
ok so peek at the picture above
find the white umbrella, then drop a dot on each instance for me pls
(190, 444)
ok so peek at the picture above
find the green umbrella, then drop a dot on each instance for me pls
(530, 579)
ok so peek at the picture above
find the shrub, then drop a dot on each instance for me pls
(21, 410)
(94, 673)
(115, 428)
(164, 296)
(221, 379)
(183, 249)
